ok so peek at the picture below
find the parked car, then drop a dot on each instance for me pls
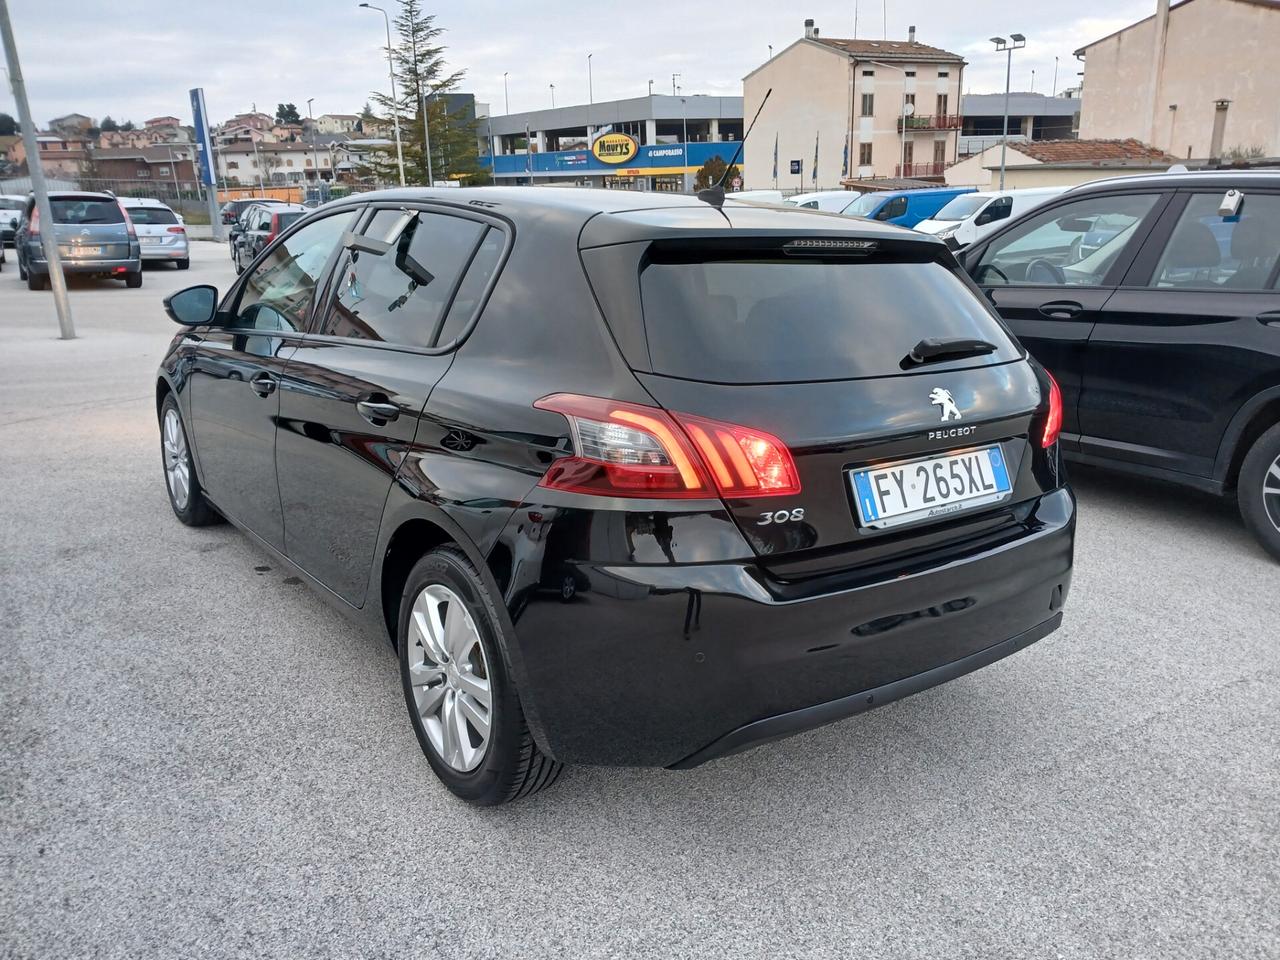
(906, 208)
(572, 452)
(161, 233)
(972, 216)
(10, 213)
(1154, 301)
(833, 201)
(760, 196)
(258, 226)
(231, 210)
(95, 237)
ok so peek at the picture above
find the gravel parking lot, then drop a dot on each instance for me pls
(199, 758)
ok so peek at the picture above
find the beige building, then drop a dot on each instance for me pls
(829, 92)
(1055, 163)
(336, 123)
(273, 163)
(1172, 94)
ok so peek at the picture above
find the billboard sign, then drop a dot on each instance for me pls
(204, 145)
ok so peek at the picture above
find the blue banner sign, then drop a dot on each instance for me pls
(204, 145)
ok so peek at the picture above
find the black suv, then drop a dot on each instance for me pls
(626, 479)
(1154, 302)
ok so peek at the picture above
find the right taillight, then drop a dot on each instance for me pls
(1053, 422)
(630, 450)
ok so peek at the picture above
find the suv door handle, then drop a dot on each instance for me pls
(264, 384)
(1270, 319)
(377, 412)
(1061, 309)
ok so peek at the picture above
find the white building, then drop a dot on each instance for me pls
(337, 123)
(248, 164)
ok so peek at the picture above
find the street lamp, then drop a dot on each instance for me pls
(553, 94)
(674, 78)
(395, 105)
(684, 123)
(1016, 41)
(651, 88)
(506, 97)
(591, 99)
(315, 159)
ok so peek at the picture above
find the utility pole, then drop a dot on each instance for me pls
(651, 88)
(506, 97)
(1016, 41)
(674, 78)
(48, 238)
(1055, 78)
(315, 159)
(553, 94)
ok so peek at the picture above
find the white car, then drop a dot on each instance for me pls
(161, 234)
(971, 216)
(833, 201)
(759, 196)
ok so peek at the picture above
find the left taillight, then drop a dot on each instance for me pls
(1052, 422)
(128, 222)
(631, 450)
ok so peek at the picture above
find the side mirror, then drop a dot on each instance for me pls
(194, 306)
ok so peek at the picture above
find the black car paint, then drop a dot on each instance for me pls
(683, 623)
(1167, 383)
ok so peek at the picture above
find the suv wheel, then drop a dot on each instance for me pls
(185, 495)
(1258, 490)
(461, 698)
(35, 281)
(133, 280)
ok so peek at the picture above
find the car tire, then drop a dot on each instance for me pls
(447, 668)
(35, 281)
(235, 258)
(186, 496)
(133, 280)
(1258, 490)
(183, 264)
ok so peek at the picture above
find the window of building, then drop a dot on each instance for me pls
(910, 73)
(233, 164)
(868, 73)
(939, 151)
(910, 98)
(163, 171)
(289, 162)
(864, 154)
(908, 154)
(944, 73)
(942, 105)
(143, 173)
(868, 104)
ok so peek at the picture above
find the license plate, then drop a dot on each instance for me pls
(926, 489)
(147, 240)
(79, 251)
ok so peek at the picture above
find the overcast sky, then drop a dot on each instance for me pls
(137, 60)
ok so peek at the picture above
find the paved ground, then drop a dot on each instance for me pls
(198, 758)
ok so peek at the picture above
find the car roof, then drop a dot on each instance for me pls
(1210, 179)
(820, 194)
(143, 202)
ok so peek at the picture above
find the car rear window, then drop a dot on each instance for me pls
(149, 215)
(789, 321)
(11, 204)
(85, 210)
(285, 219)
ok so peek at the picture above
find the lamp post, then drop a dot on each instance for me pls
(674, 78)
(395, 106)
(651, 88)
(315, 158)
(506, 97)
(684, 137)
(553, 94)
(1016, 41)
(591, 99)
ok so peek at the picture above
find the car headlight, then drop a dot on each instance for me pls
(946, 232)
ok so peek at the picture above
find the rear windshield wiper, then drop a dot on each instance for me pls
(950, 348)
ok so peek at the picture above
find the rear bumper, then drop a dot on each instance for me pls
(676, 665)
(166, 253)
(87, 266)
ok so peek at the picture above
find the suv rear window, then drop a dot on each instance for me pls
(85, 210)
(148, 215)
(285, 219)
(789, 321)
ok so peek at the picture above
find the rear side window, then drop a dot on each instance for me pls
(86, 210)
(287, 219)
(400, 296)
(150, 215)
(1209, 251)
(894, 208)
(788, 321)
(483, 266)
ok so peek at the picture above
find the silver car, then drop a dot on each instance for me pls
(161, 234)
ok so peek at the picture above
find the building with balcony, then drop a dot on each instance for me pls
(1032, 116)
(281, 164)
(643, 143)
(1057, 163)
(846, 110)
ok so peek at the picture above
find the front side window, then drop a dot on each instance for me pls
(998, 209)
(278, 292)
(1209, 251)
(894, 208)
(400, 296)
(1075, 244)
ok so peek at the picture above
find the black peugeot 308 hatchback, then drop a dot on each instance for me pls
(626, 479)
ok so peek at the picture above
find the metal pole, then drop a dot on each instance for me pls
(315, 158)
(1055, 78)
(684, 123)
(395, 104)
(1004, 137)
(506, 97)
(177, 193)
(48, 239)
(426, 137)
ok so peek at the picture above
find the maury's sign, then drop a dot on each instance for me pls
(615, 148)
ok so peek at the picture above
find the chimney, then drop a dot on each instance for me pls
(911, 34)
(1219, 128)
(810, 31)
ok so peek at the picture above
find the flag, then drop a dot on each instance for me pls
(775, 159)
(814, 174)
(844, 166)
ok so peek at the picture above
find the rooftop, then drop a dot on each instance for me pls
(147, 154)
(693, 106)
(1020, 105)
(891, 50)
(1090, 151)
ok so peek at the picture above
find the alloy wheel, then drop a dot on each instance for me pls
(449, 675)
(177, 464)
(1271, 493)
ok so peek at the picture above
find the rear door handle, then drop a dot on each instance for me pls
(377, 411)
(1270, 319)
(264, 384)
(1061, 309)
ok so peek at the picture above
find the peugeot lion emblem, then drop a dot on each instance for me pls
(942, 399)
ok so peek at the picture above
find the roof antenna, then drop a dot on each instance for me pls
(715, 195)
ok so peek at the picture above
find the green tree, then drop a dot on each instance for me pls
(108, 125)
(711, 172)
(420, 68)
(8, 125)
(287, 113)
(127, 126)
